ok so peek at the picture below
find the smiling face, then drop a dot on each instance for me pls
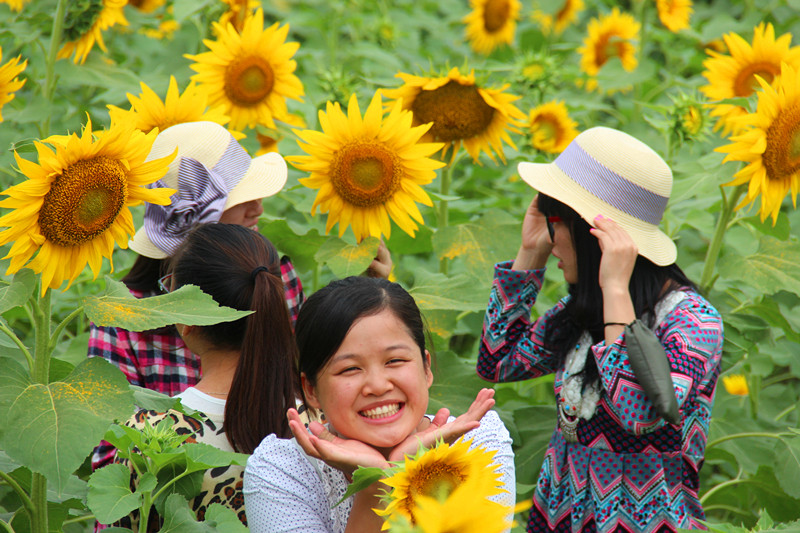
(375, 386)
(564, 250)
(245, 214)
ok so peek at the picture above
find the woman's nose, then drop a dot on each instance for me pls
(377, 384)
(255, 208)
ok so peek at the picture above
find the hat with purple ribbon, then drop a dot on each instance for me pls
(211, 173)
(607, 172)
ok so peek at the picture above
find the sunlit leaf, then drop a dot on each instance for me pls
(187, 305)
(19, 291)
(52, 428)
(110, 496)
(460, 292)
(347, 259)
(300, 247)
(787, 470)
(179, 518)
(776, 266)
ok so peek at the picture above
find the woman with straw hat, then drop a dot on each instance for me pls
(634, 347)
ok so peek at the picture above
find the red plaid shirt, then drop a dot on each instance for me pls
(158, 359)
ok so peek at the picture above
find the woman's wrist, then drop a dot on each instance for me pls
(530, 259)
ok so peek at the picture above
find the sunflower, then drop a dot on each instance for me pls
(74, 205)
(367, 169)
(238, 11)
(674, 14)
(566, 15)
(770, 145)
(249, 74)
(461, 111)
(466, 510)
(491, 23)
(609, 36)
(736, 384)
(15, 5)
(9, 83)
(84, 23)
(436, 473)
(148, 111)
(551, 128)
(146, 6)
(731, 76)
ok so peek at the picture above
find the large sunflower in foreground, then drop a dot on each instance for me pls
(770, 145)
(674, 14)
(148, 111)
(461, 112)
(551, 128)
(84, 23)
(437, 473)
(367, 169)
(9, 83)
(734, 75)
(491, 23)
(609, 36)
(249, 74)
(558, 22)
(74, 205)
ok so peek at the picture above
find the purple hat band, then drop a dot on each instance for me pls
(202, 193)
(609, 186)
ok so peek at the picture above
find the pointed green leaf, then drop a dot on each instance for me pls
(52, 428)
(110, 496)
(179, 518)
(787, 469)
(301, 248)
(347, 259)
(776, 266)
(19, 291)
(460, 292)
(479, 244)
(201, 456)
(153, 400)
(187, 305)
(363, 477)
(224, 519)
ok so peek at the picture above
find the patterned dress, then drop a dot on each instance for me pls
(630, 470)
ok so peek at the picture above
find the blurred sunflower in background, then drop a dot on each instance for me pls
(238, 11)
(736, 384)
(9, 82)
(148, 111)
(249, 74)
(84, 23)
(734, 75)
(556, 23)
(460, 111)
(609, 36)
(674, 14)
(74, 205)
(551, 128)
(770, 145)
(146, 6)
(491, 23)
(15, 5)
(367, 169)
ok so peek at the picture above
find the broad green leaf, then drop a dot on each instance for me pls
(224, 519)
(460, 292)
(52, 428)
(153, 400)
(363, 477)
(455, 383)
(201, 456)
(187, 305)
(787, 469)
(19, 291)
(110, 496)
(179, 518)
(535, 425)
(776, 266)
(347, 259)
(781, 230)
(301, 248)
(480, 245)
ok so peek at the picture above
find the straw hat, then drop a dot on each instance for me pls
(606, 172)
(212, 172)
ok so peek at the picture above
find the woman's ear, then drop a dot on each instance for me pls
(309, 392)
(428, 372)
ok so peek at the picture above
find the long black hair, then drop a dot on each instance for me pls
(584, 310)
(328, 314)
(224, 260)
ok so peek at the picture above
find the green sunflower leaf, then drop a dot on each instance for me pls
(774, 267)
(110, 496)
(363, 477)
(18, 291)
(347, 259)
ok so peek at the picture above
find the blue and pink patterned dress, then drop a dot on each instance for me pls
(630, 470)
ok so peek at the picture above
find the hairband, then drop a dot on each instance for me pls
(256, 270)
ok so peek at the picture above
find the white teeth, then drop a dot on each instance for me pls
(382, 411)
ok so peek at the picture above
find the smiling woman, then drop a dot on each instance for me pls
(363, 362)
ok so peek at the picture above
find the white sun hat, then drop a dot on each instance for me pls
(212, 172)
(607, 172)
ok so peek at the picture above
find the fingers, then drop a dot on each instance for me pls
(441, 417)
(381, 266)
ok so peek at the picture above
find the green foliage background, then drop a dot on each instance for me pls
(347, 46)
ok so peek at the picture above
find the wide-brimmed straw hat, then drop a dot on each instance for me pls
(607, 172)
(212, 172)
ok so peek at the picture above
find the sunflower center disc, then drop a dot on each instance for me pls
(495, 15)
(457, 111)
(746, 84)
(436, 480)
(365, 174)
(83, 201)
(80, 17)
(249, 80)
(782, 155)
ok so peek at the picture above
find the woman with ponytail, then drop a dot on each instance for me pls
(248, 379)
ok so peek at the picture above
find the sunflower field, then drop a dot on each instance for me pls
(401, 120)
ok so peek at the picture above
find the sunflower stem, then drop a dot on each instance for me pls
(637, 102)
(55, 43)
(728, 207)
(20, 345)
(64, 323)
(27, 504)
(39, 501)
(444, 190)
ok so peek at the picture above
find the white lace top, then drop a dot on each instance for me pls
(287, 491)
